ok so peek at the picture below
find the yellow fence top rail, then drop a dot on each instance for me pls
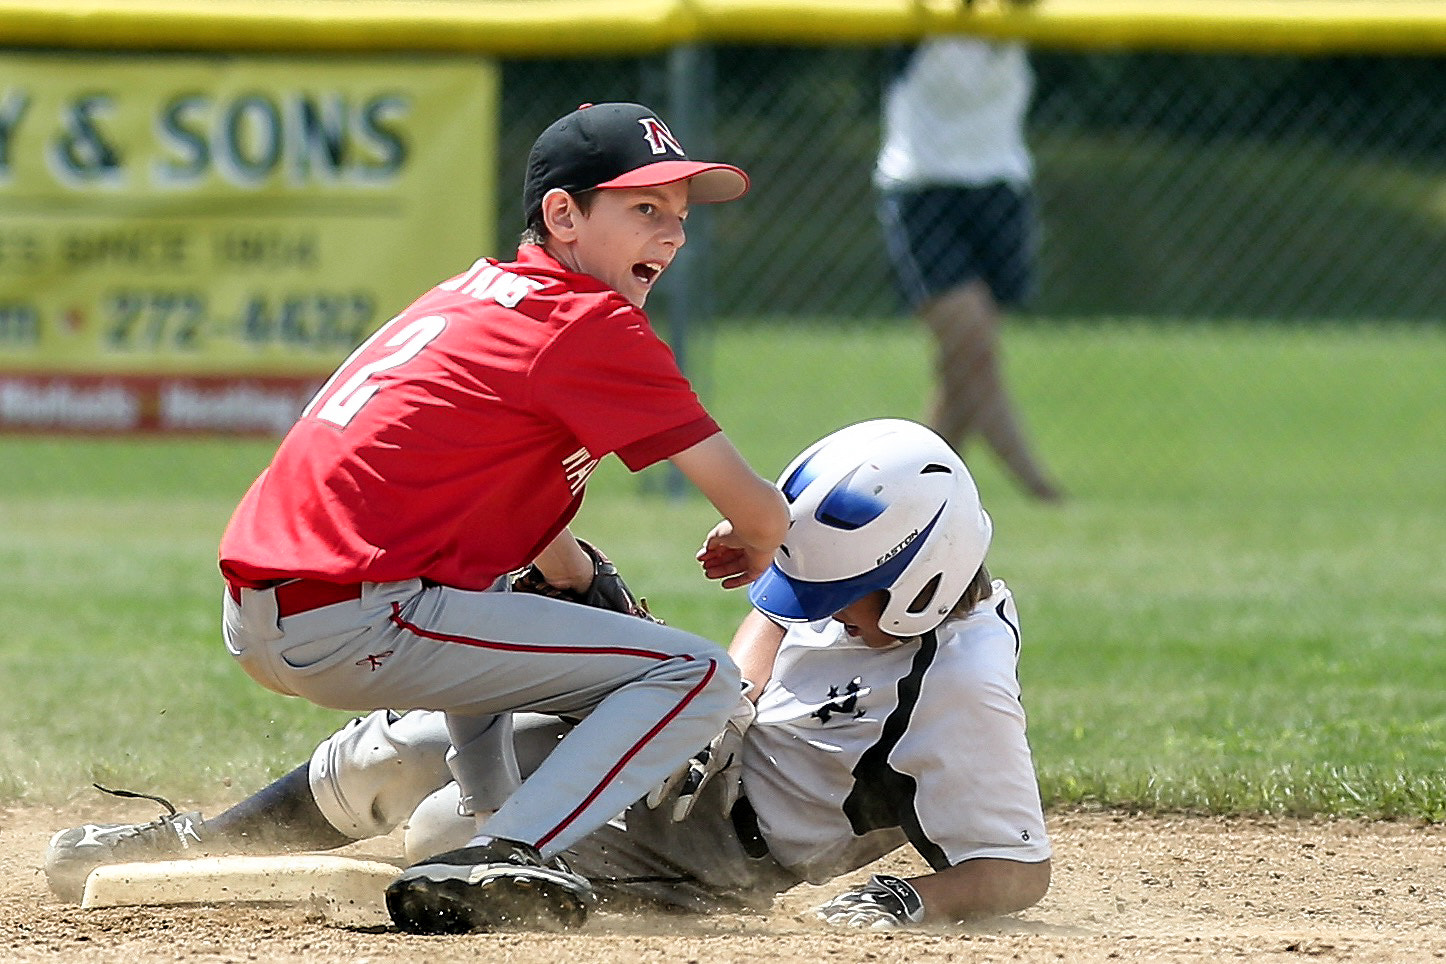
(533, 28)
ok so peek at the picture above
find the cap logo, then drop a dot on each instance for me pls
(659, 138)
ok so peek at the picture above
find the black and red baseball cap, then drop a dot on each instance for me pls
(620, 146)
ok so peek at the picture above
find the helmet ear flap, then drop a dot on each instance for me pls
(925, 598)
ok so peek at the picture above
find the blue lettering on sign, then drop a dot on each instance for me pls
(82, 153)
(13, 104)
(255, 138)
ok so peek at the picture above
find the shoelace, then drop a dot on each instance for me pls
(139, 796)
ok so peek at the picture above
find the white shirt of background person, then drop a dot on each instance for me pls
(955, 116)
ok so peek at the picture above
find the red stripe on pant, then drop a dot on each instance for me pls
(529, 647)
(633, 751)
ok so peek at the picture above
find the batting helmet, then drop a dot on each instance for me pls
(883, 504)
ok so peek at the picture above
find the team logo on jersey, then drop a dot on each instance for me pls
(374, 660)
(578, 466)
(659, 138)
(844, 704)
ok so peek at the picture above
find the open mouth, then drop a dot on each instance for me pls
(647, 271)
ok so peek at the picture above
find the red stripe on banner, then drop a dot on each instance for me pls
(36, 403)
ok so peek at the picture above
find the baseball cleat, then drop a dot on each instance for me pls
(501, 885)
(72, 854)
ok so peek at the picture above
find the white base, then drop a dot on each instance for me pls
(343, 889)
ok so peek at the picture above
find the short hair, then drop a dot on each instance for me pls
(536, 231)
(981, 587)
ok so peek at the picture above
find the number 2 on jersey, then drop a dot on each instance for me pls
(339, 405)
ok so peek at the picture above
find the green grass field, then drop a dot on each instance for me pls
(1241, 607)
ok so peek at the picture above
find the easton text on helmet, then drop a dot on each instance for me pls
(898, 548)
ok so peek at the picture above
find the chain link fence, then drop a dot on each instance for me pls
(1281, 195)
(1183, 186)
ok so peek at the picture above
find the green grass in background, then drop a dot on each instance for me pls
(1235, 226)
(1240, 608)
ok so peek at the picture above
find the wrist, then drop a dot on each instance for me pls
(574, 582)
(744, 711)
(571, 567)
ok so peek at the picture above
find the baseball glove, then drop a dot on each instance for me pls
(607, 590)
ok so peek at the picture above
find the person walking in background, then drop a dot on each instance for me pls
(954, 177)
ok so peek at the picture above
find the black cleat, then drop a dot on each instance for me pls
(502, 885)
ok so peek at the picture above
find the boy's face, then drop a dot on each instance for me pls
(630, 235)
(861, 620)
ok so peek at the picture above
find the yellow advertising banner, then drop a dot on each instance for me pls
(192, 243)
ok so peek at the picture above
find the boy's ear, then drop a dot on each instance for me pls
(560, 214)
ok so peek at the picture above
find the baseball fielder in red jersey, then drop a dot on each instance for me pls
(364, 566)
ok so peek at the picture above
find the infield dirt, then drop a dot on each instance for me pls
(1126, 888)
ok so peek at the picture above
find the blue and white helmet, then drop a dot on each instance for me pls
(883, 504)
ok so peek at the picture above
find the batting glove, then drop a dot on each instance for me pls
(721, 759)
(883, 903)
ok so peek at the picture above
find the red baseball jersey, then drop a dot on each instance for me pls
(455, 443)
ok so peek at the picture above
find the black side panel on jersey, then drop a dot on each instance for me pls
(881, 796)
(999, 611)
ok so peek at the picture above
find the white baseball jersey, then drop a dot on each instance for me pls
(857, 750)
(955, 116)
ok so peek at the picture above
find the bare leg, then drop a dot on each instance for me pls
(970, 395)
